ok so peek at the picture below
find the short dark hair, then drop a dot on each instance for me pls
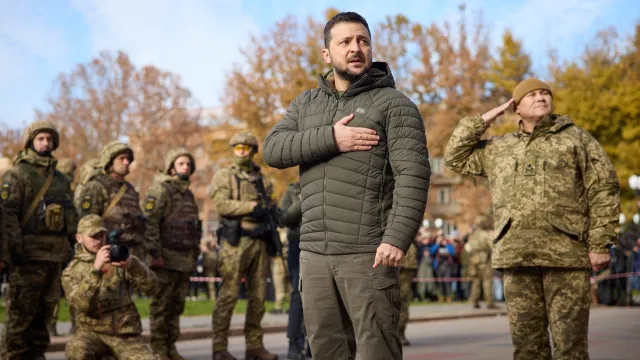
(350, 17)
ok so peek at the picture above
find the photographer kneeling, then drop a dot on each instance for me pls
(97, 283)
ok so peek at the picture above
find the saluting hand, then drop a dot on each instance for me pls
(353, 138)
(491, 115)
(388, 255)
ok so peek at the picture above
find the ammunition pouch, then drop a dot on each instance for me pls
(52, 217)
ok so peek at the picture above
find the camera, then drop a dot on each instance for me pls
(118, 252)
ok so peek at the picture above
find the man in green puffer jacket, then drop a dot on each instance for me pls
(364, 175)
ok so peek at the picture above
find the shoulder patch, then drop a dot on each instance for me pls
(150, 203)
(86, 202)
(4, 192)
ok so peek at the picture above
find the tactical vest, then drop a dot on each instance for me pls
(126, 215)
(243, 188)
(55, 213)
(181, 229)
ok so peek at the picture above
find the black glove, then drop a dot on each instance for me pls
(259, 212)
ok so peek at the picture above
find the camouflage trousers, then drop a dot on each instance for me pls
(406, 280)
(482, 275)
(210, 268)
(87, 345)
(250, 260)
(34, 293)
(165, 309)
(280, 280)
(555, 298)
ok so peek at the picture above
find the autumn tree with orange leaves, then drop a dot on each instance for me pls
(108, 99)
(277, 67)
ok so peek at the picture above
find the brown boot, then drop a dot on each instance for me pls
(223, 355)
(260, 354)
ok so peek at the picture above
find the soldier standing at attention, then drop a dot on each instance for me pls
(209, 249)
(172, 235)
(556, 201)
(97, 286)
(38, 220)
(109, 195)
(242, 214)
(479, 247)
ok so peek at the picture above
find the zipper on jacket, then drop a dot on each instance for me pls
(324, 196)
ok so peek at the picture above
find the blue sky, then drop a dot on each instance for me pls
(199, 39)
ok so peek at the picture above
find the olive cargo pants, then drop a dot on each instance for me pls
(350, 305)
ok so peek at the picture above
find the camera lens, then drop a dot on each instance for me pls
(119, 253)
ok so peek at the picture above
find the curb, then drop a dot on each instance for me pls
(198, 333)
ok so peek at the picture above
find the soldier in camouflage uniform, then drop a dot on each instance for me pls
(209, 249)
(109, 195)
(68, 168)
(38, 220)
(172, 236)
(87, 171)
(479, 247)
(108, 321)
(556, 203)
(235, 194)
(408, 271)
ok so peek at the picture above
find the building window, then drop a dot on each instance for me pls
(437, 165)
(449, 229)
(444, 195)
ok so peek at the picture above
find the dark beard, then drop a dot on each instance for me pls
(44, 153)
(346, 74)
(349, 76)
(183, 177)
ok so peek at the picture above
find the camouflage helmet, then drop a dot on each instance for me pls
(36, 128)
(110, 151)
(67, 167)
(174, 154)
(87, 170)
(245, 138)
